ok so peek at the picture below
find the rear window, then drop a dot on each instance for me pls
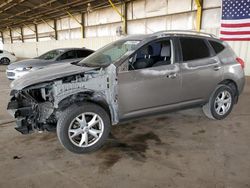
(193, 48)
(68, 55)
(218, 47)
(83, 53)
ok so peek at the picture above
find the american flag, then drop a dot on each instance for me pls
(235, 23)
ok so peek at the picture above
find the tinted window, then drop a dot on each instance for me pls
(83, 53)
(51, 54)
(218, 47)
(193, 49)
(69, 55)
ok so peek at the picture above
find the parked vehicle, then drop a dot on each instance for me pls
(133, 77)
(6, 57)
(62, 55)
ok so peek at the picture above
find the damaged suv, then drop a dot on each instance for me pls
(133, 77)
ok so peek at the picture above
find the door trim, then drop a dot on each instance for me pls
(162, 109)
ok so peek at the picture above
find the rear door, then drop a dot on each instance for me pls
(200, 67)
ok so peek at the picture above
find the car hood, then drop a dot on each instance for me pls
(29, 63)
(48, 74)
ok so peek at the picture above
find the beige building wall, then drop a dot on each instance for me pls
(144, 16)
(34, 49)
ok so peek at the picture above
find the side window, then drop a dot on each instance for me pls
(68, 55)
(154, 54)
(218, 47)
(83, 53)
(193, 48)
(155, 50)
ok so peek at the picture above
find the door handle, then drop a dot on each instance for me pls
(217, 67)
(173, 75)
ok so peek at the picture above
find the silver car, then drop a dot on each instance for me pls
(130, 78)
(53, 57)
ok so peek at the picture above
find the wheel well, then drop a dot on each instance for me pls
(85, 96)
(5, 58)
(233, 85)
(103, 104)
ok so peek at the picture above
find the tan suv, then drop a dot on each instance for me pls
(133, 77)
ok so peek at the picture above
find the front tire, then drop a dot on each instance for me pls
(5, 61)
(83, 128)
(220, 103)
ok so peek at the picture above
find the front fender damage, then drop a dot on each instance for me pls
(38, 107)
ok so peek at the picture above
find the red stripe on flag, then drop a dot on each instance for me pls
(235, 39)
(235, 32)
(236, 25)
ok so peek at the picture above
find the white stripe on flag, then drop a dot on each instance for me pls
(238, 21)
(234, 36)
(235, 29)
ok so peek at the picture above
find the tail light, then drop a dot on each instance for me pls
(241, 62)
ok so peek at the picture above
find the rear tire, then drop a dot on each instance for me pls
(220, 103)
(83, 128)
(5, 61)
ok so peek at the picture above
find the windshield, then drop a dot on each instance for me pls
(110, 53)
(51, 54)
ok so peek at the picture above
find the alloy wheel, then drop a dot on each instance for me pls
(86, 129)
(223, 102)
(5, 61)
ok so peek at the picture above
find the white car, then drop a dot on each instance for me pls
(6, 57)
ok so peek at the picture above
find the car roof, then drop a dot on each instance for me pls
(67, 49)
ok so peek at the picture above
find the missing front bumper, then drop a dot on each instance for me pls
(23, 126)
(21, 114)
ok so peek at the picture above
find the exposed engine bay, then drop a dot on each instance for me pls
(38, 107)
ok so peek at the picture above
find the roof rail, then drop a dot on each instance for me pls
(185, 32)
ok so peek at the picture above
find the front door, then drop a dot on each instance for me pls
(143, 90)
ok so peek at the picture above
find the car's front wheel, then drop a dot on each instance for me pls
(83, 128)
(220, 103)
(5, 61)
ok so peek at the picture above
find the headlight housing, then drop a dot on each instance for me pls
(23, 68)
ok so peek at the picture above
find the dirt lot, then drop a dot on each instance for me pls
(183, 149)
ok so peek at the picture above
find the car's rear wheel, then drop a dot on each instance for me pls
(83, 128)
(220, 103)
(5, 61)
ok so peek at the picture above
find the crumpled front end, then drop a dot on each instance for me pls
(20, 108)
(38, 107)
(31, 110)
